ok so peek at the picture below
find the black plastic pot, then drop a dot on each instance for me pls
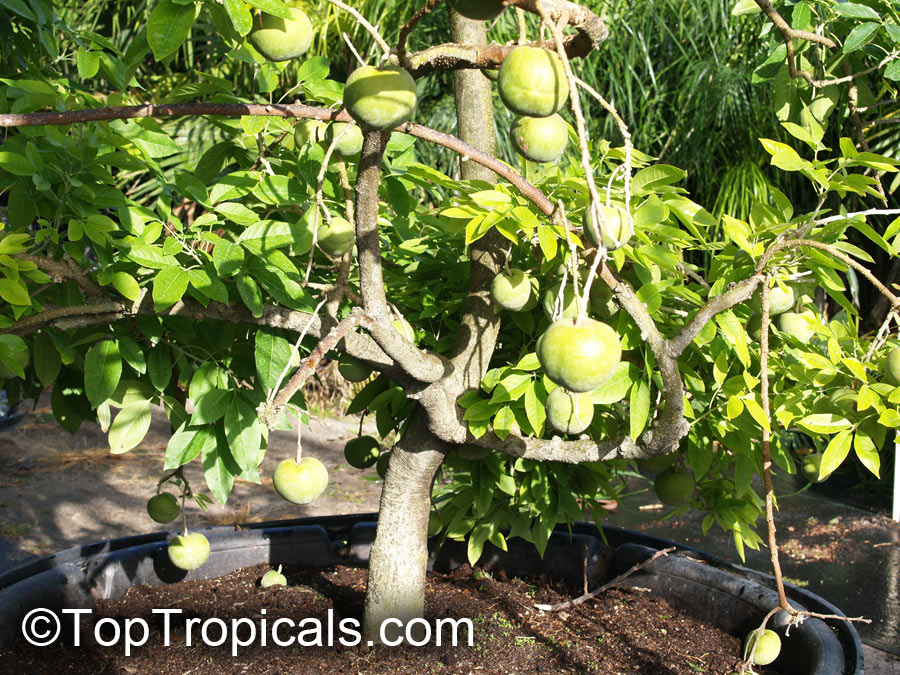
(731, 598)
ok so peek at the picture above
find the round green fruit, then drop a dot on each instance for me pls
(337, 238)
(352, 369)
(762, 649)
(569, 309)
(380, 98)
(511, 291)
(472, 452)
(273, 578)
(810, 465)
(403, 327)
(540, 139)
(490, 74)
(568, 412)
(674, 487)
(309, 130)
(189, 551)
(891, 366)
(163, 508)
(780, 300)
(282, 39)
(616, 230)
(798, 324)
(381, 466)
(532, 82)
(300, 483)
(351, 141)
(362, 452)
(479, 10)
(754, 326)
(657, 464)
(579, 357)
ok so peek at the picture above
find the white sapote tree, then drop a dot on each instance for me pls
(203, 297)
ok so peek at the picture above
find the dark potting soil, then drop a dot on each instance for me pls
(621, 631)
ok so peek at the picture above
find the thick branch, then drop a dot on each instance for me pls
(420, 365)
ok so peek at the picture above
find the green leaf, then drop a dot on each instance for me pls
(272, 353)
(734, 333)
(168, 26)
(169, 286)
(126, 285)
(210, 406)
(825, 423)
(88, 63)
(242, 429)
(186, 444)
(836, 452)
(639, 410)
(618, 384)
(250, 294)
(159, 366)
(784, 156)
(102, 371)
(14, 292)
(503, 422)
(654, 177)
(219, 477)
(15, 163)
(129, 427)
(274, 7)
(228, 257)
(240, 16)
(47, 362)
(860, 36)
(535, 409)
(856, 11)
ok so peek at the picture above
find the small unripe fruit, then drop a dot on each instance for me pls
(811, 466)
(362, 452)
(381, 466)
(657, 464)
(579, 357)
(479, 10)
(763, 648)
(490, 74)
(163, 508)
(300, 483)
(674, 487)
(380, 98)
(891, 367)
(337, 237)
(568, 412)
(20, 357)
(532, 82)
(780, 300)
(273, 578)
(352, 369)
(282, 39)
(309, 130)
(189, 551)
(511, 291)
(351, 141)
(798, 324)
(540, 139)
(616, 231)
(568, 307)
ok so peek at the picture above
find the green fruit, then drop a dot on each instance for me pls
(657, 464)
(579, 357)
(362, 452)
(674, 487)
(780, 300)
(351, 142)
(380, 98)
(617, 229)
(352, 369)
(763, 649)
(511, 291)
(403, 327)
(569, 305)
(309, 130)
(273, 578)
(845, 399)
(472, 452)
(540, 139)
(569, 413)
(490, 74)
(891, 367)
(810, 466)
(480, 10)
(282, 39)
(754, 326)
(189, 551)
(337, 238)
(163, 508)
(532, 82)
(798, 324)
(300, 483)
(19, 356)
(381, 466)
(602, 302)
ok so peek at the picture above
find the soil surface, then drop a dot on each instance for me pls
(622, 631)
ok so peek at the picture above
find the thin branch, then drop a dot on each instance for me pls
(407, 30)
(609, 584)
(385, 48)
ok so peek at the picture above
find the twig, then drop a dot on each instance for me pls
(609, 584)
(408, 27)
(365, 24)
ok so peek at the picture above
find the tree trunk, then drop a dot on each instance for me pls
(399, 558)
